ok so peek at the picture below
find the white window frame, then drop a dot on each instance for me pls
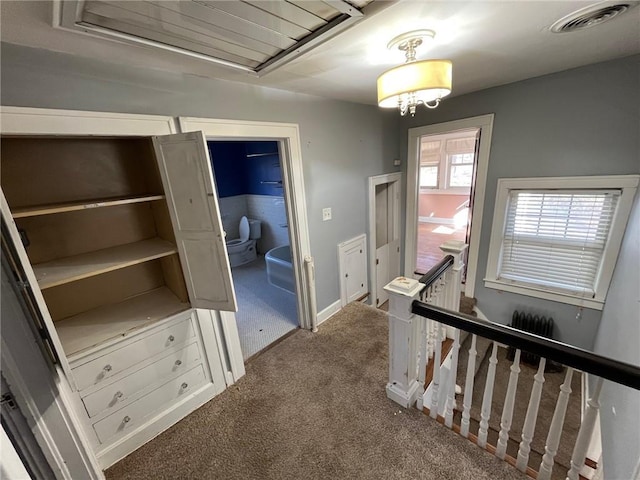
(627, 183)
(438, 176)
(450, 166)
(444, 166)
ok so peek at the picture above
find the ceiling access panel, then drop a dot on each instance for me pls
(254, 36)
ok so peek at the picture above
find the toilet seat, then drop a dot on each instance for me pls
(244, 233)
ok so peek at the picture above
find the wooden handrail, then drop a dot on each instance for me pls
(437, 270)
(610, 369)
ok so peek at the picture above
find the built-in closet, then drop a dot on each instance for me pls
(118, 246)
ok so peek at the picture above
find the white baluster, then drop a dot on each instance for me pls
(553, 438)
(451, 398)
(485, 412)
(424, 360)
(507, 410)
(529, 427)
(430, 334)
(468, 388)
(585, 433)
(435, 385)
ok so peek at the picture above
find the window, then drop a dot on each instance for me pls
(559, 243)
(446, 164)
(429, 176)
(460, 170)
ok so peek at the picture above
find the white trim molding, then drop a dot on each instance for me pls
(627, 183)
(485, 124)
(329, 312)
(36, 121)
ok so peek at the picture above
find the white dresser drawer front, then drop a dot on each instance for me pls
(133, 415)
(117, 393)
(102, 368)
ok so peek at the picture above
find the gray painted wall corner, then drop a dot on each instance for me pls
(619, 337)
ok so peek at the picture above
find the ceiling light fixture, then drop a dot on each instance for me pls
(425, 82)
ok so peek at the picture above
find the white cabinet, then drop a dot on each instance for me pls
(352, 259)
(120, 239)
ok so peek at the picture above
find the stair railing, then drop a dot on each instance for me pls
(414, 339)
(408, 308)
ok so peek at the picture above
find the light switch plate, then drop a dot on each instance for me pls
(326, 214)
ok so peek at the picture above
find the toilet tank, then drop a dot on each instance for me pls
(255, 230)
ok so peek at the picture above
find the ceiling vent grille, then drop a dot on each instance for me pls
(589, 17)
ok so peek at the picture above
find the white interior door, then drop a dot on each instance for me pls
(193, 204)
(387, 200)
(384, 233)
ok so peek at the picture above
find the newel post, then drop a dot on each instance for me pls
(404, 339)
(453, 286)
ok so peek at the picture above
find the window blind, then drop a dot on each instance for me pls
(556, 239)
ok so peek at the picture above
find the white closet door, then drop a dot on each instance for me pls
(193, 204)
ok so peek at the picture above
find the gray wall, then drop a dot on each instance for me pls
(342, 143)
(584, 121)
(619, 337)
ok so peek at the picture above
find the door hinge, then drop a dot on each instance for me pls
(377, 301)
(377, 261)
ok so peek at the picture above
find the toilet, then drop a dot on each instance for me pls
(243, 250)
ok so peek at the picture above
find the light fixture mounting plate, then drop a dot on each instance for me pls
(412, 38)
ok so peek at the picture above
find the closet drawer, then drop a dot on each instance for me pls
(134, 415)
(114, 395)
(133, 352)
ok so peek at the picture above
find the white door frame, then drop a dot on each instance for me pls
(288, 137)
(371, 227)
(485, 124)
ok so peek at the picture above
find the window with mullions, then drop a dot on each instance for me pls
(558, 243)
(460, 170)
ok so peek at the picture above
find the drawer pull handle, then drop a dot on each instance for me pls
(178, 363)
(107, 368)
(171, 338)
(184, 385)
(119, 395)
(126, 419)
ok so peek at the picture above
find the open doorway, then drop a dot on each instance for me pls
(447, 165)
(287, 137)
(252, 206)
(457, 171)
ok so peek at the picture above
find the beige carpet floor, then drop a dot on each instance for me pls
(313, 407)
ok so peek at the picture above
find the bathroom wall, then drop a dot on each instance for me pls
(245, 173)
(270, 210)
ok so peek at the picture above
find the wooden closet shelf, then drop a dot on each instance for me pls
(96, 326)
(69, 269)
(73, 206)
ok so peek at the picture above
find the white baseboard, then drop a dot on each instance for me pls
(439, 220)
(329, 311)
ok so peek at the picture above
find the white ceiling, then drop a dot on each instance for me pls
(489, 42)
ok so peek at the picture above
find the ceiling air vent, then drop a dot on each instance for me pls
(589, 17)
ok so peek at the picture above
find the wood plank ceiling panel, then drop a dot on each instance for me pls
(173, 21)
(140, 25)
(290, 12)
(249, 34)
(318, 8)
(259, 17)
